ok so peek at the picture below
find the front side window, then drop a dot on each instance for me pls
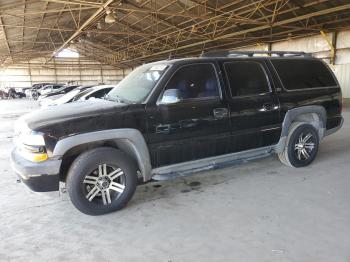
(246, 78)
(301, 73)
(195, 81)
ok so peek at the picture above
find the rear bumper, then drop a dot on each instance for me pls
(335, 129)
(39, 177)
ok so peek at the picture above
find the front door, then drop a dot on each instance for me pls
(253, 104)
(196, 124)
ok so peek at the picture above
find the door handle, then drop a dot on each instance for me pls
(220, 113)
(163, 129)
(268, 107)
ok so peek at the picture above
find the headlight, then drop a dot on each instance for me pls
(33, 153)
(30, 144)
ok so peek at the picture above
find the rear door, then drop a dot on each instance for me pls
(253, 104)
(195, 127)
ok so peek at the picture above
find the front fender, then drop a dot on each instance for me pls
(128, 140)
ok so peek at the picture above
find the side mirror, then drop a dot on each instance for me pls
(171, 96)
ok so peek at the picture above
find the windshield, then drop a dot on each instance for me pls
(138, 84)
(67, 97)
(82, 93)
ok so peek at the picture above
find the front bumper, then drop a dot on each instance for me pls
(39, 177)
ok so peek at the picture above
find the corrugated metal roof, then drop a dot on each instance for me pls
(147, 30)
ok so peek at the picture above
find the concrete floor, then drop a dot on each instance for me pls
(260, 211)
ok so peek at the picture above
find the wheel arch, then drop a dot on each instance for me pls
(314, 115)
(128, 140)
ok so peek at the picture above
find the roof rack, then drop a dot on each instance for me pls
(227, 53)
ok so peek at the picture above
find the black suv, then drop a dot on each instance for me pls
(175, 117)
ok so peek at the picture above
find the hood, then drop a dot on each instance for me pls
(67, 112)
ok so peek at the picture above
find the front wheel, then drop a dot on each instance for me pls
(101, 181)
(301, 145)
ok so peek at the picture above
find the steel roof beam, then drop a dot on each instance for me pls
(254, 29)
(79, 31)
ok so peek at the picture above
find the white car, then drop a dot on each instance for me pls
(78, 94)
(49, 88)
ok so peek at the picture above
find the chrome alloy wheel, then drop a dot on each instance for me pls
(304, 147)
(106, 182)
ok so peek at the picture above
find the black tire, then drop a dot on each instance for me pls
(87, 164)
(294, 154)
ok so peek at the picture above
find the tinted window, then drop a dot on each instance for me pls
(195, 81)
(246, 78)
(299, 74)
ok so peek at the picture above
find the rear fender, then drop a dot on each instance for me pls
(314, 115)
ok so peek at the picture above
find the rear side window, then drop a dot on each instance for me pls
(246, 78)
(301, 74)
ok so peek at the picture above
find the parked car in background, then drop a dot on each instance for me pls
(78, 94)
(22, 91)
(12, 93)
(49, 88)
(61, 99)
(60, 92)
(33, 92)
(3, 94)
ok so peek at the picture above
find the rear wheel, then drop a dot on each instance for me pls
(101, 181)
(301, 145)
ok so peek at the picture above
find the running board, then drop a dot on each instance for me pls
(191, 167)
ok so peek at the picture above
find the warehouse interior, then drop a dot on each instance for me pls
(33, 33)
(256, 211)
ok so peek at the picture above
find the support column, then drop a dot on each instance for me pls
(331, 44)
(79, 66)
(101, 74)
(30, 74)
(54, 66)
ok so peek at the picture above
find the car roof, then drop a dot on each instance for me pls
(102, 87)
